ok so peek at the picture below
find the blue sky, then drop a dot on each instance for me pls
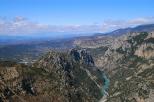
(79, 15)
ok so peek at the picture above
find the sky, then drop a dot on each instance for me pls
(28, 17)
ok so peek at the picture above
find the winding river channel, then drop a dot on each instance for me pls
(105, 87)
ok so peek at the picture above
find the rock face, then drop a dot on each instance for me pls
(129, 62)
(56, 77)
(82, 56)
(145, 51)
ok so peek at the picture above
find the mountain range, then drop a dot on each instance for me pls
(33, 48)
(98, 68)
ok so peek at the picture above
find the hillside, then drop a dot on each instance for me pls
(129, 62)
(56, 77)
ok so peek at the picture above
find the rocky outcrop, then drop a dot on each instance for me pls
(145, 50)
(83, 56)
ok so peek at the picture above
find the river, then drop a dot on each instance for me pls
(105, 88)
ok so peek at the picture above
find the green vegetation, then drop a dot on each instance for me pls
(97, 51)
(137, 40)
(140, 38)
(120, 50)
(7, 63)
(150, 40)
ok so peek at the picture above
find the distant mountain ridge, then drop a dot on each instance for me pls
(140, 28)
(106, 39)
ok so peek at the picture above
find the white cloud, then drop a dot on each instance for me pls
(138, 21)
(109, 25)
(20, 25)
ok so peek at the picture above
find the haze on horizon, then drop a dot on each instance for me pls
(62, 17)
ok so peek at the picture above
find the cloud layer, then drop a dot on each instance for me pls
(21, 25)
(109, 25)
